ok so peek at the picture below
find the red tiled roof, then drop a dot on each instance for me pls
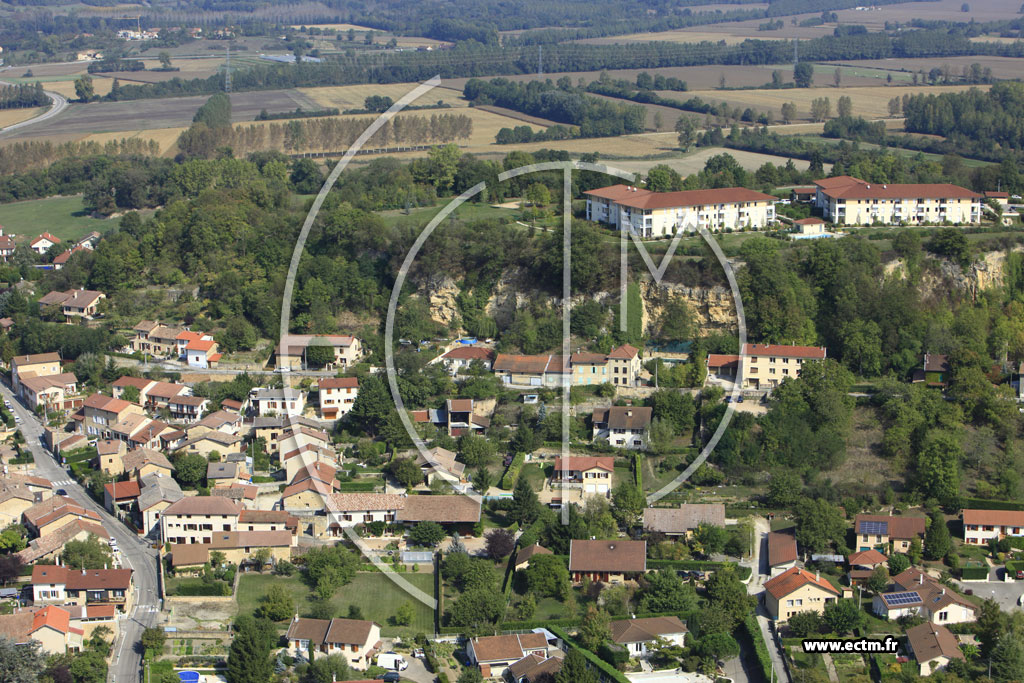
(645, 199)
(469, 353)
(46, 236)
(809, 221)
(339, 383)
(616, 556)
(784, 351)
(994, 517)
(201, 345)
(781, 548)
(120, 490)
(721, 360)
(901, 191)
(583, 463)
(904, 528)
(838, 181)
(107, 403)
(866, 557)
(626, 351)
(793, 579)
(54, 617)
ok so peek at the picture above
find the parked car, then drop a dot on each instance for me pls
(390, 677)
(1020, 575)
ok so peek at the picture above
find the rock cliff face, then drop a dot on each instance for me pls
(440, 295)
(712, 308)
(987, 272)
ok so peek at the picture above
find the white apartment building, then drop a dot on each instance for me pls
(663, 214)
(845, 200)
(764, 366)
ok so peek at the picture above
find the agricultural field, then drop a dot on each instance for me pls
(870, 102)
(165, 137)
(1002, 67)
(65, 217)
(9, 117)
(693, 162)
(353, 96)
(680, 36)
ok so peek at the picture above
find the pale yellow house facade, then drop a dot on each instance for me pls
(797, 590)
(848, 201)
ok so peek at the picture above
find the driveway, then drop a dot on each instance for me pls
(135, 554)
(759, 563)
(417, 671)
(1005, 594)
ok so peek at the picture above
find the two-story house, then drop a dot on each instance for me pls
(495, 654)
(33, 365)
(100, 413)
(285, 401)
(765, 366)
(193, 519)
(913, 593)
(336, 396)
(351, 509)
(56, 584)
(885, 531)
(981, 526)
(622, 426)
(52, 393)
(797, 590)
(291, 352)
(591, 474)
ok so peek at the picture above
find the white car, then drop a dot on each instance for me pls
(1020, 600)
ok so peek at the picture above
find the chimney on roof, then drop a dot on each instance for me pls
(83, 572)
(920, 579)
(629, 413)
(817, 576)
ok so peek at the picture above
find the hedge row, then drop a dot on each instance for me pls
(760, 648)
(608, 672)
(974, 573)
(638, 465)
(357, 486)
(203, 589)
(705, 565)
(512, 473)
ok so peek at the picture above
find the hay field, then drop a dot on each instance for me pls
(9, 117)
(680, 36)
(336, 27)
(100, 85)
(1002, 67)
(871, 102)
(352, 96)
(694, 161)
(696, 77)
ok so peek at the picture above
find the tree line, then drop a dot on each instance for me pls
(23, 95)
(562, 103)
(979, 120)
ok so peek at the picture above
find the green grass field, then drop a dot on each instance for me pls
(64, 217)
(375, 594)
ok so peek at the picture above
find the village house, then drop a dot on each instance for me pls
(683, 520)
(100, 413)
(74, 303)
(764, 366)
(590, 474)
(797, 590)
(933, 647)
(440, 459)
(185, 338)
(291, 351)
(49, 626)
(34, 365)
(621, 367)
(222, 421)
(458, 514)
(460, 417)
(624, 366)
(914, 593)
(811, 226)
(271, 428)
(934, 371)
(155, 339)
(15, 499)
(48, 548)
(61, 259)
(159, 492)
(120, 495)
(202, 353)
(534, 668)
(495, 654)
(723, 366)
(352, 509)
(461, 357)
(52, 393)
(636, 634)
(613, 561)
(52, 513)
(622, 426)
(7, 246)
(308, 494)
(782, 551)
(238, 547)
(863, 564)
(139, 431)
(849, 201)
(524, 556)
(187, 409)
(981, 526)
(336, 396)
(193, 519)
(57, 584)
(110, 453)
(214, 442)
(42, 244)
(272, 402)
(353, 639)
(885, 532)
(650, 214)
(226, 474)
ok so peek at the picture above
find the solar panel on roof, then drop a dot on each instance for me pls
(874, 528)
(903, 598)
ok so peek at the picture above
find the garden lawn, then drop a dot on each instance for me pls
(375, 594)
(64, 217)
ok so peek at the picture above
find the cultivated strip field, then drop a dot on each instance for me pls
(1002, 67)
(9, 117)
(353, 96)
(872, 102)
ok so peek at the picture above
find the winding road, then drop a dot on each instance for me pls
(60, 103)
(126, 664)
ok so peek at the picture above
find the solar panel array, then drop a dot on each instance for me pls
(874, 528)
(902, 598)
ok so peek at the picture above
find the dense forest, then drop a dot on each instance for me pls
(974, 119)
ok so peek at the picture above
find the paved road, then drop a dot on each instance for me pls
(135, 554)
(756, 587)
(59, 105)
